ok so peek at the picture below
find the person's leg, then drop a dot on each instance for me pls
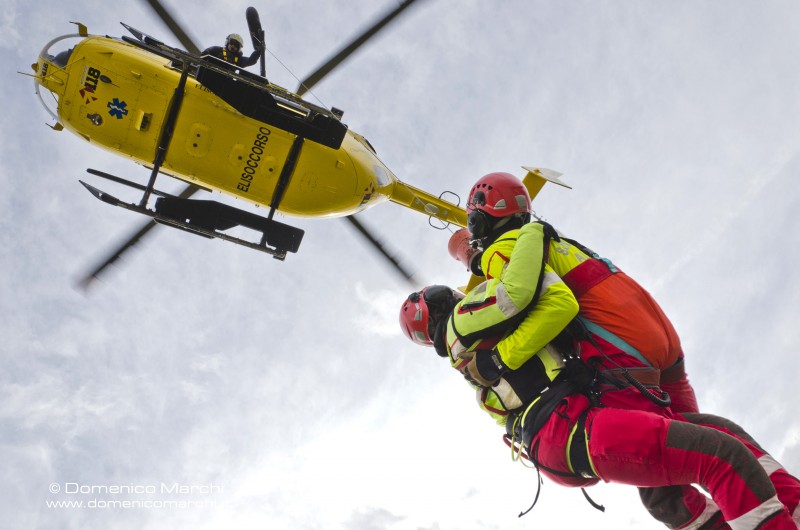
(682, 507)
(786, 485)
(645, 449)
(679, 507)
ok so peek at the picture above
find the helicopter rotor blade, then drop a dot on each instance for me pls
(134, 238)
(393, 261)
(257, 36)
(356, 43)
(174, 27)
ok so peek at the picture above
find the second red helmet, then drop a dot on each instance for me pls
(495, 196)
(499, 195)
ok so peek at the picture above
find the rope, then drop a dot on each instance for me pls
(295, 77)
(538, 490)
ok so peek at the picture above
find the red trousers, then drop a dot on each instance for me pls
(649, 449)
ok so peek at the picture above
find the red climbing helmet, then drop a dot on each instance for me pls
(422, 311)
(496, 195)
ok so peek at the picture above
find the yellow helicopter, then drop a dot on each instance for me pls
(221, 128)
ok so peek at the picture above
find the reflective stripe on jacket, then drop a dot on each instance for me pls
(532, 370)
(526, 293)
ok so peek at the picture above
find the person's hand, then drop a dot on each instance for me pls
(484, 367)
(261, 42)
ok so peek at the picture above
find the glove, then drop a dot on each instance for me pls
(259, 42)
(484, 367)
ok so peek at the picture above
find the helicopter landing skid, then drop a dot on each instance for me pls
(209, 218)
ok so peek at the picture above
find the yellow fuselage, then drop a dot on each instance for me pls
(116, 96)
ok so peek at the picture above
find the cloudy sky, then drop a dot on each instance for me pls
(262, 394)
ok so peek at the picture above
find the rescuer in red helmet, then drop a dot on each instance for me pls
(552, 406)
(613, 306)
(616, 311)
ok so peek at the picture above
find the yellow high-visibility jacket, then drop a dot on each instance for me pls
(529, 289)
(613, 306)
(497, 314)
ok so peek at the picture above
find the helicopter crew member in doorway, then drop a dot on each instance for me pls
(232, 52)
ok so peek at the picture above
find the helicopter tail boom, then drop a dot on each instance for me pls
(423, 202)
(430, 205)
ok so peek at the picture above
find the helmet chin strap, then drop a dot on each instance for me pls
(439, 342)
(441, 312)
(503, 221)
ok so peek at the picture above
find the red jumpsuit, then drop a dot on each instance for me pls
(633, 441)
(617, 309)
(630, 440)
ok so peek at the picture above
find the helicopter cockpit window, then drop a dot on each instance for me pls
(382, 176)
(61, 58)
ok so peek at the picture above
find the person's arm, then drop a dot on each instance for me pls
(493, 306)
(555, 307)
(516, 262)
(498, 256)
(250, 61)
(522, 271)
(554, 310)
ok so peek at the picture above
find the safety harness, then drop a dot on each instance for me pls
(580, 280)
(577, 377)
(225, 56)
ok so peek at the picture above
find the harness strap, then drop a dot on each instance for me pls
(588, 274)
(615, 377)
(578, 451)
(594, 504)
(225, 56)
(533, 456)
(538, 412)
(612, 339)
(676, 372)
